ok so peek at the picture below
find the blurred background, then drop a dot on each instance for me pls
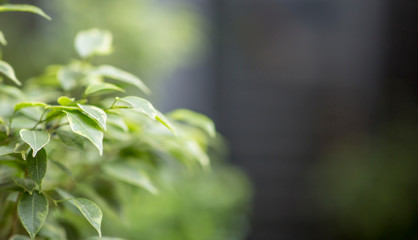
(317, 100)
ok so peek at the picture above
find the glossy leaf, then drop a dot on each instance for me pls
(29, 104)
(36, 139)
(2, 39)
(8, 71)
(93, 42)
(23, 8)
(28, 184)
(120, 75)
(90, 211)
(195, 119)
(95, 113)
(70, 139)
(36, 166)
(162, 119)
(140, 105)
(86, 127)
(32, 211)
(130, 175)
(101, 87)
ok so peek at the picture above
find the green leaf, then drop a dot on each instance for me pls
(22, 148)
(32, 211)
(140, 105)
(68, 77)
(120, 75)
(61, 108)
(65, 101)
(37, 166)
(101, 87)
(70, 139)
(162, 119)
(130, 175)
(195, 119)
(19, 237)
(27, 184)
(5, 150)
(36, 139)
(86, 127)
(63, 168)
(23, 8)
(2, 39)
(95, 113)
(8, 71)
(29, 104)
(117, 121)
(90, 211)
(93, 42)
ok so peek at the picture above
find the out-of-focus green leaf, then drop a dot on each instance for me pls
(28, 184)
(62, 167)
(8, 71)
(195, 119)
(120, 75)
(140, 105)
(36, 166)
(19, 237)
(29, 104)
(36, 139)
(5, 150)
(86, 127)
(2, 39)
(68, 77)
(32, 211)
(23, 8)
(22, 148)
(130, 175)
(53, 232)
(101, 87)
(65, 101)
(71, 139)
(117, 122)
(162, 119)
(93, 42)
(95, 113)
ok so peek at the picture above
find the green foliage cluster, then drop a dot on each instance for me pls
(70, 148)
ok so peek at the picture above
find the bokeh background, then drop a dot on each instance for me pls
(317, 100)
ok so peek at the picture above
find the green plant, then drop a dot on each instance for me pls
(70, 149)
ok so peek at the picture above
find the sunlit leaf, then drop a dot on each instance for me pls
(95, 113)
(23, 8)
(86, 127)
(32, 210)
(36, 139)
(101, 87)
(29, 104)
(90, 211)
(65, 101)
(120, 75)
(195, 119)
(140, 105)
(36, 166)
(130, 175)
(93, 42)
(8, 71)
(162, 119)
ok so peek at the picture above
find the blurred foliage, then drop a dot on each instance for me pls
(153, 36)
(161, 176)
(367, 186)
